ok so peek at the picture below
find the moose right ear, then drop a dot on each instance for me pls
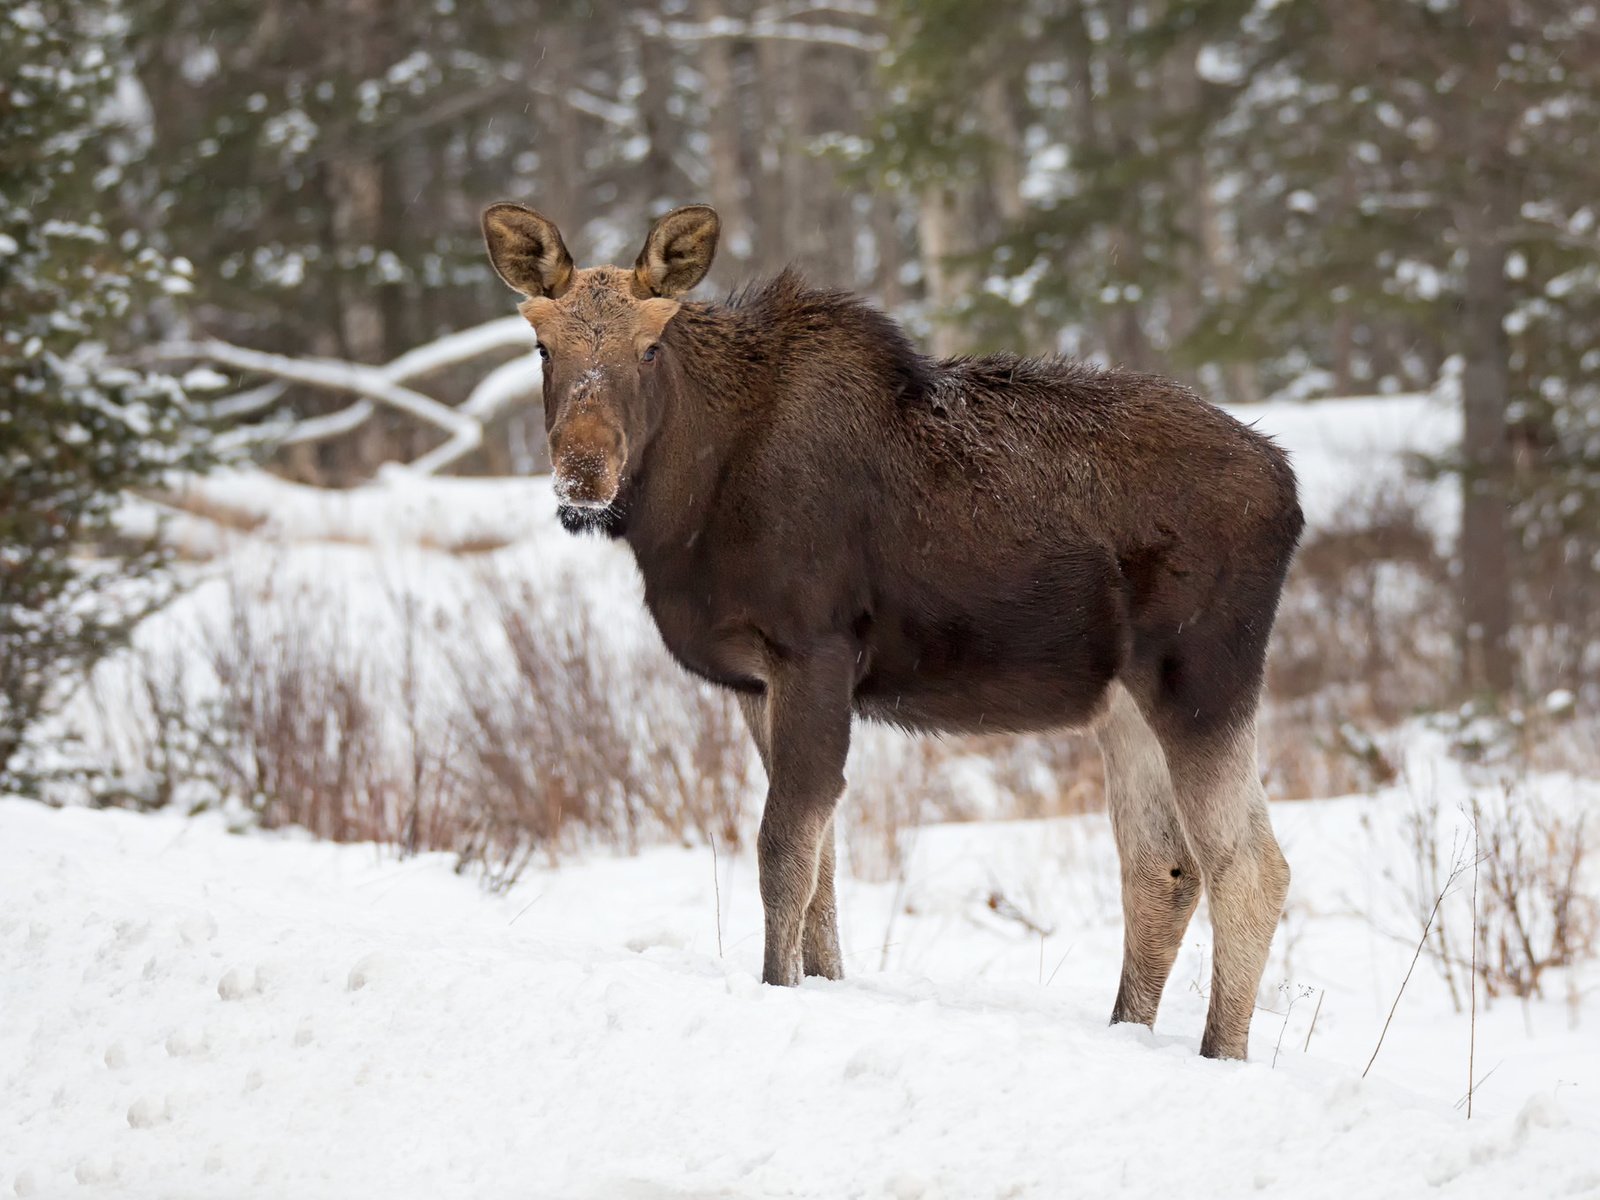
(677, 252)
(527, 251)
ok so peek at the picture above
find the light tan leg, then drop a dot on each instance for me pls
(1224, 812)
(783, 879)
(821, 948)
(1160, 879)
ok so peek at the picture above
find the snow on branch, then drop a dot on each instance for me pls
(242, 404)
(504, 333)
(503, 387)
(384, 385)
(764, 28)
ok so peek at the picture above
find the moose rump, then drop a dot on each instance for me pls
(834, 525)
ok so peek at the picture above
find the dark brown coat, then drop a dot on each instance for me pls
(831, 523)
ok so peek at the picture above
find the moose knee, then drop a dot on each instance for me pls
(1180, 884)
(1163, 881)
(791, 834)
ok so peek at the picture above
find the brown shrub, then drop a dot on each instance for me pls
(572, 737)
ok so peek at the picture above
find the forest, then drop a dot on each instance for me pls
(375, 814)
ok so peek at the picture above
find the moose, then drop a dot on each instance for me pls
(832, 525)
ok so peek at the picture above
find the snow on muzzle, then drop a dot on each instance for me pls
(588, 453)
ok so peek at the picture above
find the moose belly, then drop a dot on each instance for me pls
(1011, 703)
(1012, 647)
(963, 678)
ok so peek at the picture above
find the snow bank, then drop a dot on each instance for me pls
(192, 1013)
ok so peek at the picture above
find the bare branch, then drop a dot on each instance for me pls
(761, 29)
(519, 379)
(371, 383)
(381, 385)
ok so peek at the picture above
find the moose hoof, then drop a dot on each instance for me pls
(1217, 1048)
(787, 975)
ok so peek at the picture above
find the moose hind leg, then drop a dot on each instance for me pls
(1160, 878)
(1224, 812)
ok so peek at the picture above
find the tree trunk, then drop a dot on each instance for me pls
(940, 236)
(1485, 535)
(723, 137)
(886, 238)
(1005, 149)
(355, 182)
(773, 61)
(655, 70)
(1486, 209)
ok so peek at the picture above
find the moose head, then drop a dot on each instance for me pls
(600, 341)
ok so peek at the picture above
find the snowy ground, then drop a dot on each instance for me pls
(191, 1013)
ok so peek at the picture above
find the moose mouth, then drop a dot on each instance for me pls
(607, 520)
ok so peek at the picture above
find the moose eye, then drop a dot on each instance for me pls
(544, 352)
(650, 353)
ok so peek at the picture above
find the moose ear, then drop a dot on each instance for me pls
(526, 250)
(677, 252)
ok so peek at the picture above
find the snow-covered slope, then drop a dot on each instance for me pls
(189, 1013)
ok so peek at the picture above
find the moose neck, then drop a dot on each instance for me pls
(732, 367)
(709, 394)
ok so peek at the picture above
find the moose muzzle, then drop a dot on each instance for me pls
(588, 453)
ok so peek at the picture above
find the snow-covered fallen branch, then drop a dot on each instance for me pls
(763, 27)
(382, 385)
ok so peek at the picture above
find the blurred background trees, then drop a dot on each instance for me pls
(77, 427)
(1298, 198)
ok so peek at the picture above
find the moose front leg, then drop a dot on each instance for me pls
(820, 949)
(820, 940)
(807, 737)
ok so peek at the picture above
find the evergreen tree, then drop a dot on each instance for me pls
(1432, 166)
(76, 427)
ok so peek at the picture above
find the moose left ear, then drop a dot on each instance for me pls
(526, 250)
(677, 252)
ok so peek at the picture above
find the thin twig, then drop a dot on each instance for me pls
(1482, 1079)
(716, 887)
(1287, 1013)
(1321, 996)
(1472, 977)
(1059, 962)
(901, 880)
(525, 908)
(1420, 944)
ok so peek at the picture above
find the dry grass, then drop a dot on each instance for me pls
(1502, 885)
(1364, 638)
(571, 738)
(1535, 913)
(509, 734)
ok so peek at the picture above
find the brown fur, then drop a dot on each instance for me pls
(834, 525)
